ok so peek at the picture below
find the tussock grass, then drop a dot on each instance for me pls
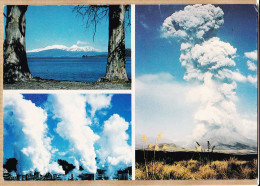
(197, 170)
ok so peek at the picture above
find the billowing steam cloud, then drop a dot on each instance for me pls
(115, 153)
(32, 146)
(75, 127)
(209, 61)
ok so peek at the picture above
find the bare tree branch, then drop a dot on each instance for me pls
(96, 13)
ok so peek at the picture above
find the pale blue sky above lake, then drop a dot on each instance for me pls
(58, 25)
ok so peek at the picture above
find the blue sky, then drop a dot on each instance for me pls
(106, 106)
(51, 25)
(158, 69)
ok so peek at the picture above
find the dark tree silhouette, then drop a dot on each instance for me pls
(67, 167)
(10, 164)
(116, 61)
(15, 60)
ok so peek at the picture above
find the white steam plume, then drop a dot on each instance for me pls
(32, 147)
(115, 153)
(210, 61)
(74, 126)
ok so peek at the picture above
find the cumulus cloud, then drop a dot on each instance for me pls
(114, 152)
(195, 22)
(252, 79)
(98, 102)
(251, 55)
(74, 126)
(237, 76)
(251, 66)
(32, 147)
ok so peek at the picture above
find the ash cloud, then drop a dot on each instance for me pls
(32, 147)
(209, 62)
(194, 23)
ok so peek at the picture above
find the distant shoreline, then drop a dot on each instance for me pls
(70, 57)
(50, 84)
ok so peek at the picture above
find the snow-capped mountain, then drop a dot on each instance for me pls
(226, 140)
(64, 51)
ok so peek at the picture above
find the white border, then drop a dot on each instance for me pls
(133, 86)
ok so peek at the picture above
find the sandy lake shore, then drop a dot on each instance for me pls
(44, 84)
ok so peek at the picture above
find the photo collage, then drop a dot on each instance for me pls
(130, 92)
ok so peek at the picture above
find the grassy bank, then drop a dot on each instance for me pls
(197, 170)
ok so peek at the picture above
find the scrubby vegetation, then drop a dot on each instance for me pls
(197, 170)
(202, 164)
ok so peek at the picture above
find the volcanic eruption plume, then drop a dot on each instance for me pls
(208, 62)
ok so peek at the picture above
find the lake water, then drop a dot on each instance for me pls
(72, 69)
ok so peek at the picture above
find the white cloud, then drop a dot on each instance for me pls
(251, 55)
(74, 126)
(252, 79)
(62, 153)
(98, 102)
(144, 25)
(54, 150)
(251, 66)
(82, 43)
(32, 147)
(162, 106)
(237, 76)
(115, 153)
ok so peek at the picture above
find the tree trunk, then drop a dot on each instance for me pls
(116, 61)
(15, 60)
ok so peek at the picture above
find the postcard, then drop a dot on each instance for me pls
(148, 93)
